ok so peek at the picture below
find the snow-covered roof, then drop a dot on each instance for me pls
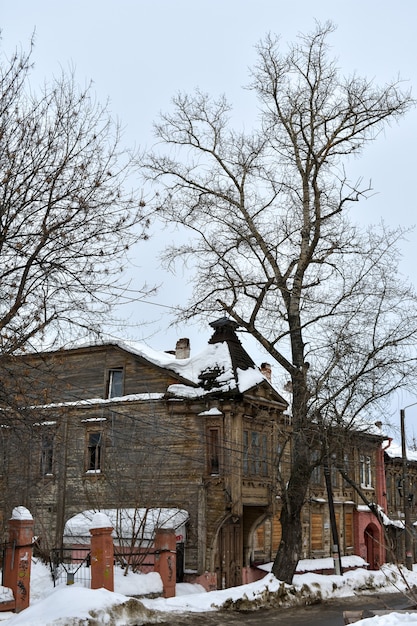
(394, 451)
(386, 520)
(223, 365)
(212, 370)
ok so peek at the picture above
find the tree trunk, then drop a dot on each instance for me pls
(289, 550)
(293, 499)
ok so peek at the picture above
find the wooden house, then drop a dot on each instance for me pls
(356, 529)
(119, 425)
(116, 425)
(398, 497)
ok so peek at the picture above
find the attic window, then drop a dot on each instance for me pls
(115, 383)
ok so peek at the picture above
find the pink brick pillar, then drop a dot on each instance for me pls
(102, 553)
(166, 559)
(19, 557)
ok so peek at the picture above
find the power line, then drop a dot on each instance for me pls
(160, 429)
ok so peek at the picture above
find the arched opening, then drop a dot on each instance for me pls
(265, 538)
(233, 545)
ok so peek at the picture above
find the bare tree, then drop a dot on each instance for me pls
(272, 244)
(68, 211)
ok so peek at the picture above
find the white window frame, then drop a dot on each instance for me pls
(111, 376)
(94, 452)
(365, 468)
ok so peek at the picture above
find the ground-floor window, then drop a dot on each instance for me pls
(348, 529)
(316, 528)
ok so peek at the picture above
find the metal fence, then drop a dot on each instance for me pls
(71, 566)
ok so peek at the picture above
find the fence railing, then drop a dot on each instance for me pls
(70, 566)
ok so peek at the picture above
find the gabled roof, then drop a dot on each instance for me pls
(223, 366)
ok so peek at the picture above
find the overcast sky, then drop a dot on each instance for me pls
(139, 53)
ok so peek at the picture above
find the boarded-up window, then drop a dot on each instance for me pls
(317, 542)
(348, 529)
(276, 532)
(213, 451)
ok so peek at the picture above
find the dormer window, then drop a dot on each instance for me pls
(115, 383)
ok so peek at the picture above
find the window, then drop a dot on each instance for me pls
(4, 455)
(348, 529)
(388, 485)
(365, 471)
(213, 449)
(264, 455)
(280, 450)
(317, 473)
(47, 454)
(276, 532)
(334, 472)
(94, 452)
(255, 453)
(245, 452)
(115, 383)
(398, 492)
(346, 463)
(317, 537)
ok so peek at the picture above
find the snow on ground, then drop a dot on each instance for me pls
(393, 619)
(76, 606)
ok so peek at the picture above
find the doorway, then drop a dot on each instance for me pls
(372, 543)
(229, 555)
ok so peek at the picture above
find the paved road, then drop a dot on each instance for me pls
(326, 614)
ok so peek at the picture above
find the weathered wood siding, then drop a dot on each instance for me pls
(154, 452)
(80, 374)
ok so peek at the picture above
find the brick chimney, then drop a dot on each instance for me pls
(266, 370)
(182, 348)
